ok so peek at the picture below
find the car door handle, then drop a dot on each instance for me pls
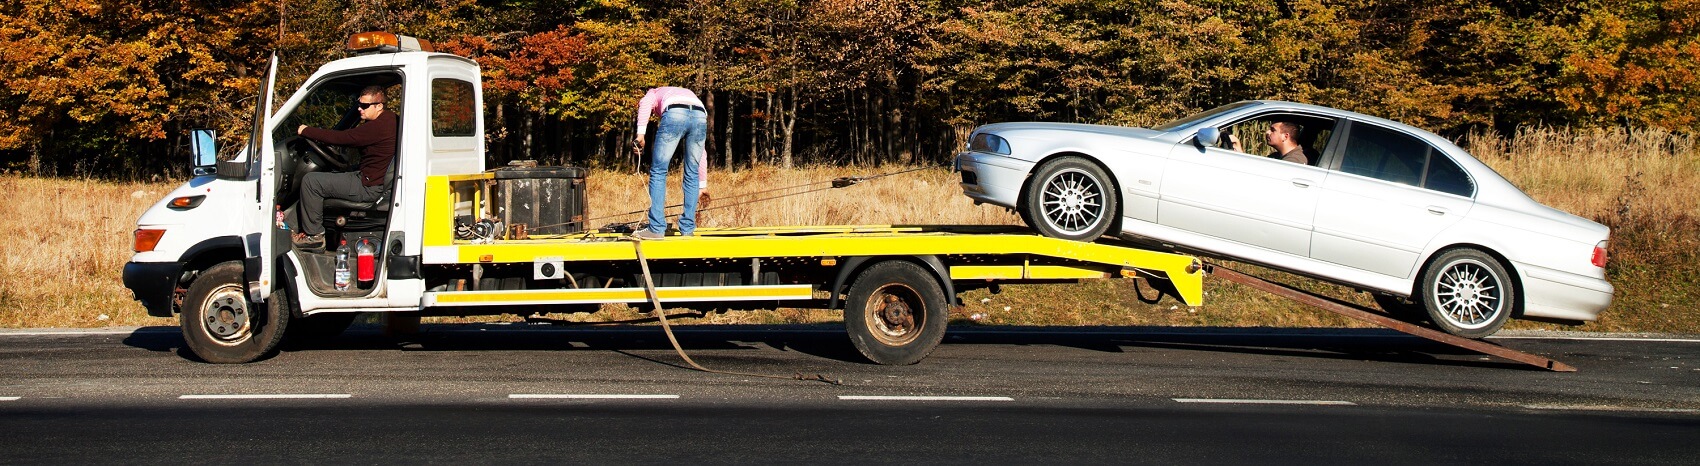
(1301, 182)
(1437, 210)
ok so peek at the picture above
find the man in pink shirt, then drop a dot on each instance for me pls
(683, 118)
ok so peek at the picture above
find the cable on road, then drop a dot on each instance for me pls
(661, 314)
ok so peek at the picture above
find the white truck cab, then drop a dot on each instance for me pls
(233, 223)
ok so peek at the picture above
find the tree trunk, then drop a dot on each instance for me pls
(788, 122)
(731, 111)
(708, 143)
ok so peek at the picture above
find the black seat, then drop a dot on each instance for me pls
(364, 216)
(359, 216)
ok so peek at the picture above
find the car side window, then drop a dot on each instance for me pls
(1389, 155)
(1312, 135)
(1446, 176)
(1385, 155)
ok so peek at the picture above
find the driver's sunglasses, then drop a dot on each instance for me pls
(364, 105)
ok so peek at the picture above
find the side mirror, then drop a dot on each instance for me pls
(204, 147)
(1208, 137)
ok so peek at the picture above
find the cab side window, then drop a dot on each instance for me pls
(1396, 157)
(451, 108)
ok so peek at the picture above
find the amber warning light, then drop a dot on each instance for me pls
(387, 42)
(147, 239)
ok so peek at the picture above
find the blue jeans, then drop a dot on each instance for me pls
(691, 126)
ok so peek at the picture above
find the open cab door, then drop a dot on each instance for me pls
(261, 234)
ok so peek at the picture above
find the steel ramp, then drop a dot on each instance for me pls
(1366, 315)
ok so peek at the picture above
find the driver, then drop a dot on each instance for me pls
(1283, 136)
(375, 137)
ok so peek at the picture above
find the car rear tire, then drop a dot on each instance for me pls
(895, 313)
(221, 326)
(1071, 198)
(1468, 293)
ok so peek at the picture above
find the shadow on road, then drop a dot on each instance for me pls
(829, 341)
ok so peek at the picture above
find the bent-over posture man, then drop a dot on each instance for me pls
(375, 137)
(683, 118)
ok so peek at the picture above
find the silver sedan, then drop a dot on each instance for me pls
(1362, 201)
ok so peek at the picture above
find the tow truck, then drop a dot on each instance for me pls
(451, 237)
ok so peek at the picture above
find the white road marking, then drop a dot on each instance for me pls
(922, 398)
(1652, 340)
(1610, 408)
(10, 398)
(268, 396)
(1265, 402)
(577, 396)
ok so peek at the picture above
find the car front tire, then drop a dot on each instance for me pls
(1468, 293)
(1070, 198)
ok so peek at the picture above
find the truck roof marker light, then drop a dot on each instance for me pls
(147, 239)
(387, 42)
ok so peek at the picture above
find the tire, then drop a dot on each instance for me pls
(220, 326)
(1468, 293)
(895, 313)
(1070, 198)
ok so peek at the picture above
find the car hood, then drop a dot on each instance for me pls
(1123, 131)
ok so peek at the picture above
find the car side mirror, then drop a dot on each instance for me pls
(1207, 137)
(203, 146)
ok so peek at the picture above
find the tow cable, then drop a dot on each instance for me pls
(835, 183)
(661, 314)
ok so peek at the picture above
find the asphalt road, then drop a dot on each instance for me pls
(484, 394)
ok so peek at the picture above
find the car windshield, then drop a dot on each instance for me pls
(1204, 115)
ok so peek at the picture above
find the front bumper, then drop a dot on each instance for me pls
(154, 284)
(992, 178)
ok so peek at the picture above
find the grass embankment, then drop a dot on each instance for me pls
(67, 240)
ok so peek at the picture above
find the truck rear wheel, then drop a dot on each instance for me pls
(895, 313)
(221, 326)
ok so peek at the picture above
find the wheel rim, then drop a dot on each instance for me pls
(894, 314)
(1072, 201)
(225, 315)
(1469, 294)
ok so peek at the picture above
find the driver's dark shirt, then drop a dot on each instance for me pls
(376, 140)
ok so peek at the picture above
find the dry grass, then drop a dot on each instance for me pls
(68, 239)
(65, 244)
(923, 197)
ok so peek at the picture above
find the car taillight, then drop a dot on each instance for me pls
(146, 239)
(1600, 255)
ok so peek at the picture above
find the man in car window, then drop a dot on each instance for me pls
(1283, 136)
(376, 139)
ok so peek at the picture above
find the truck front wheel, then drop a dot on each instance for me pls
(895, 313)
(222, 327)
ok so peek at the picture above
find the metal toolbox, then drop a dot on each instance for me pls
(538, 200)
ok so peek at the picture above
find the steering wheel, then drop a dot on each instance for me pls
(323, 156)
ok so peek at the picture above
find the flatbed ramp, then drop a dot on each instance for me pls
(1366, 315)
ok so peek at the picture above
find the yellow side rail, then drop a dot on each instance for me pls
(824, 242)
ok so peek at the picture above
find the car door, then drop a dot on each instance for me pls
(1259, 201)
(1389, 195)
